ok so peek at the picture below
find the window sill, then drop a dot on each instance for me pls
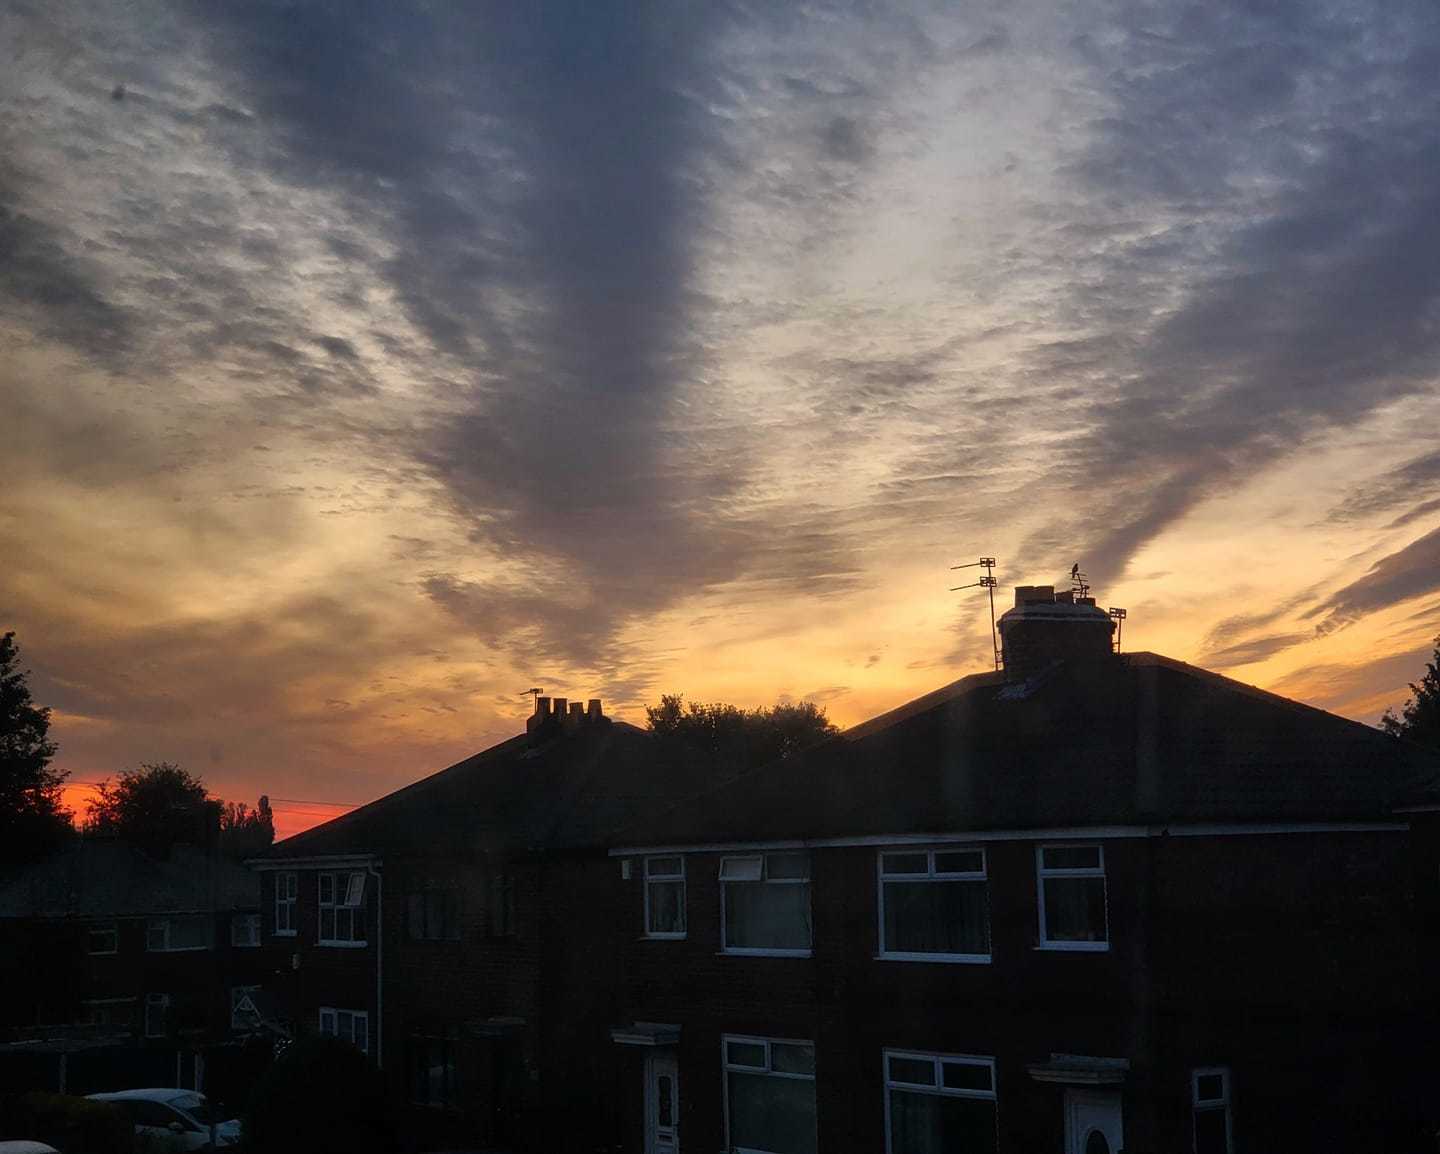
(946, 959)
(1073, 947)
(663, 937)
(285, 934)
(177, 950)
(106, 953)
(757, 953)
(338, 945)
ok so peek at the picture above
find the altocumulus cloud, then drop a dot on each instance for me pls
(611, 307)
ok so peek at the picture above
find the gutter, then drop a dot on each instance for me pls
(379, 962)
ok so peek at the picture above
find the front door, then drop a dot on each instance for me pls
(662, 1104)
(1093, 1122)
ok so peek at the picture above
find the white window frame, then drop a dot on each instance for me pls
(162, 1001)
(666, 935)
(763, 876)
(1200, 1105)
(334, 1012)
(353, 882)
(937, 877)
(246, 919)
(727, 1067)
(287, 888)
(111, 928)
(166, 922)
(1042, 872)
(938, 1089)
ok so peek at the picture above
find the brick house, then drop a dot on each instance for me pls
(1097, 902)
(127, 963)
(460, 931)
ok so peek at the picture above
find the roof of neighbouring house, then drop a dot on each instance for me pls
(557, 788)
(96, 877)
(1140, 739)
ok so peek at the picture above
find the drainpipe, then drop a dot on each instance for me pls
(379, 964)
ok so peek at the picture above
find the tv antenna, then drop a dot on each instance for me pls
(532, 693)
(1079, 584)
(986, 582)
(1117, 616)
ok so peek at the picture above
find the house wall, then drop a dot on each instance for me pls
(1288, 958)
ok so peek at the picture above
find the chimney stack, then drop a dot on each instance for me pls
(561, 711)
(1043, 629)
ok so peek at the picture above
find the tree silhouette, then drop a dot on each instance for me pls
(1419, 720)
(161, 805)
(31, 819)
(729, 737)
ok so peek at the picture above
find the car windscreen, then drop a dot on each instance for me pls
(197, 1107)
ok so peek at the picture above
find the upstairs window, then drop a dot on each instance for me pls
(765, 903)
(103, 939)
(1072, 897)
(170, 935)
(286, 887)
(1210, 1096)
(939, 1102)
(352, 1025)
(665, 897)
(434, 914)
(245, 930)
(933, 905)
(769, 1096)
(342, 909)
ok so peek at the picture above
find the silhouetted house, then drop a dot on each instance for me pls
(1097, 902)
(460, 930)
(130, 964)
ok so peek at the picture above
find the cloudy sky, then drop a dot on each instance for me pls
(366, 364)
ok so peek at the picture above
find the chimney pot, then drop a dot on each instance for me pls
(592, 709)
(540, 716)
(558, 708)
(577, 713)
(1043, 629)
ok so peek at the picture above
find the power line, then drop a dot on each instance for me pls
(282, 800)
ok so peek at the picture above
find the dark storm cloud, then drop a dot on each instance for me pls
(1291, 148)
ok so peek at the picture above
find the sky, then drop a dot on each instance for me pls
(364, 365)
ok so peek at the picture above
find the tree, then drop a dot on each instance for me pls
(1419, 720)
(246, 832)
(31, 818)
(160, 805)
(730, 737)
(321, 1096)
(155, 807)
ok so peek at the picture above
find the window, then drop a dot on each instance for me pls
(342, 909)
(665, 897)
(167, 935)
(118, 1012)
(432, 1070)
(1072, 897)
(502, 906)
(769, 1095)
(933, 905)
(434, 914)
(352, 1025)
(245, 930)
(157, 1015)
(765, 903)
(1210, 1095)
(939, 1102)
(243, 1013)
(286, 887)
(103, 939)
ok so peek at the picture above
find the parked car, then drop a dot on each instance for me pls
(25, 1146)
(181, 1116)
